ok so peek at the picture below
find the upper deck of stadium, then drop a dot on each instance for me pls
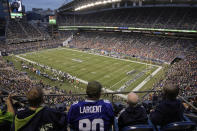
(79, 6)
(147, 15)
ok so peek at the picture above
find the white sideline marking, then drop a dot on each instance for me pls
(146, 80)
(107, 90)
(26, 59)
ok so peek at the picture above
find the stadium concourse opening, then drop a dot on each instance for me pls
(102, 65)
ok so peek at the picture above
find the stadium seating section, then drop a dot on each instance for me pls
(164, 18)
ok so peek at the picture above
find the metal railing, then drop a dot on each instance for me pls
(112, 96)
(68, 99)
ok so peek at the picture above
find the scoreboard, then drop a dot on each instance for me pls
(15, 8)
(52, 20)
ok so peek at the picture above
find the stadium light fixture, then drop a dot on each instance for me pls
(96, 4)
(104, 2)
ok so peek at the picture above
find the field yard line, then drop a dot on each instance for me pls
(113, 72)
(82, 81)
(118, 82)
(114, 58)
(146, 80)
(121, 80)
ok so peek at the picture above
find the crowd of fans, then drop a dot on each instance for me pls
(30, 46)
(184, 74)
(145, 47)
(21, 31)
(165, 18)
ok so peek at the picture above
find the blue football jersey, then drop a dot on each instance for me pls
(91, 115)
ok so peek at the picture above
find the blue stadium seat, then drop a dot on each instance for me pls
(148, 127)
(179, 126)
(186, 125)
(138, 128)
(115, 126)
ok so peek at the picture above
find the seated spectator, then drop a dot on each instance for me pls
(1, 99)
(36, 117)
(195, 103)
(169, 109)
(92, 114)
(134, 114)
(6, 116)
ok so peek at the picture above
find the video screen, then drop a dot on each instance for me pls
(15, 7)
(52, 20)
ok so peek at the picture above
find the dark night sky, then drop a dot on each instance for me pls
(53, 4)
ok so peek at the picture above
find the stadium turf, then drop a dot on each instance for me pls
(112, 73)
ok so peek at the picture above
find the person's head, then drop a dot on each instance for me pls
(170, 91)
(35, 97)
(195, 99)
(132, 99)
(93, 90)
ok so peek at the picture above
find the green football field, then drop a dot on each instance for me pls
(111, 72)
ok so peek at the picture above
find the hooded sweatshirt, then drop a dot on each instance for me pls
(43, 118)
(6, 119)
(167, 111)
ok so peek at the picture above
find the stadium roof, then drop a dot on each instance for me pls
(81, 5)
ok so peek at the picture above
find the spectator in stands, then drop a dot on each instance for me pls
(134, 114)
(195, 104)
(1, 99)
(195, 101)
(91, 114)
(170, 109)
(6, 116)
(36, 117)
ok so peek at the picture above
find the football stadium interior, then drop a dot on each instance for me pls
(130, 47)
